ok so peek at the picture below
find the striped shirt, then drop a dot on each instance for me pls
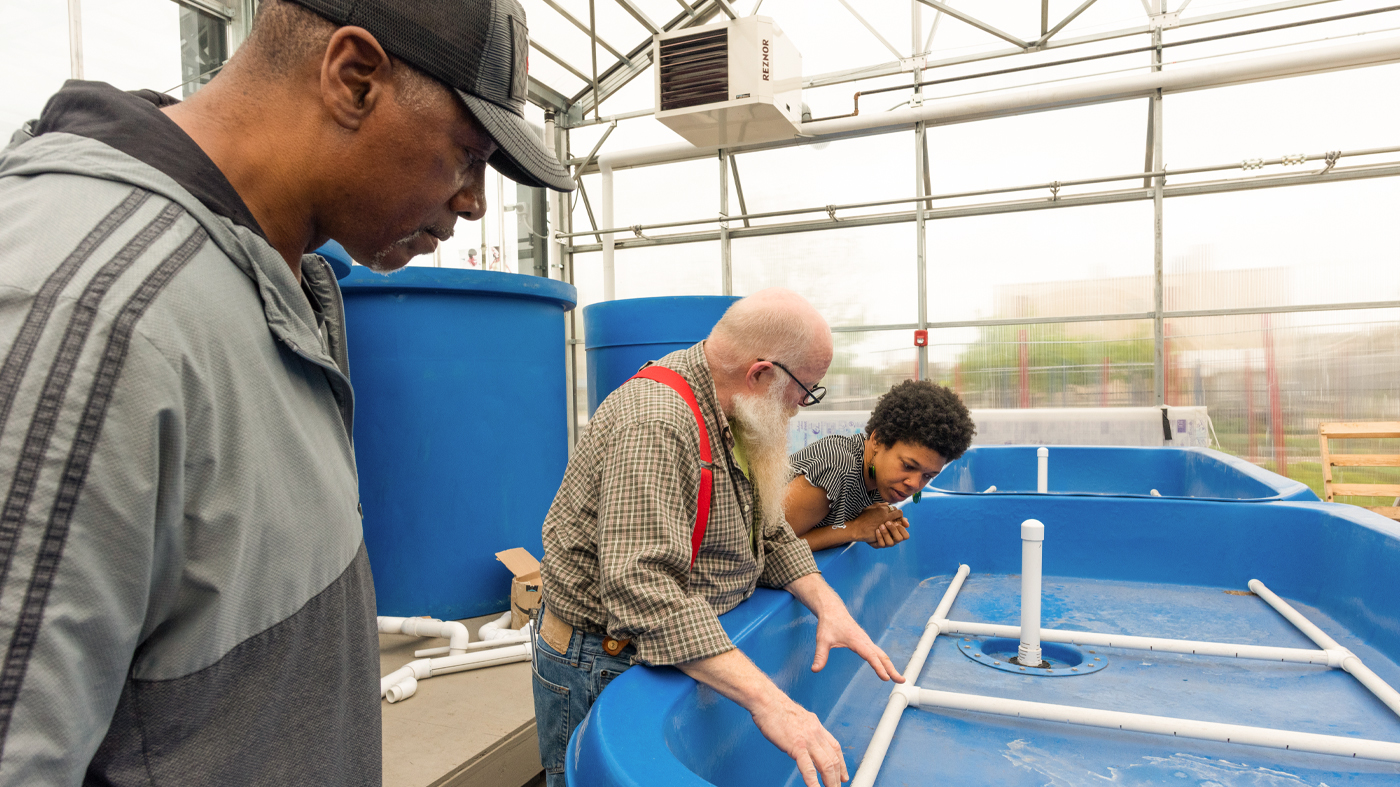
(617, 538)
(833, 464)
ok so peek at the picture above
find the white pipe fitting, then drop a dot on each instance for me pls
(1346, 659)
(1042, 470)
(401, 690)
(457, 634)
(1032, 539)
(496, 629)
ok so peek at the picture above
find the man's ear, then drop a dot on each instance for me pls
(354, 74)
(754, 378)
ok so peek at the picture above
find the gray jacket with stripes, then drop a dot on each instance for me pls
(184, 593)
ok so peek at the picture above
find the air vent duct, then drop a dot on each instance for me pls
(695, 69)
(735, 82)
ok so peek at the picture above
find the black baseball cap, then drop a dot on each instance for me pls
(476, 47)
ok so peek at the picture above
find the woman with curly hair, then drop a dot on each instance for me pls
(845, 484)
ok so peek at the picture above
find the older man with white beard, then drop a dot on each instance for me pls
(623, 581)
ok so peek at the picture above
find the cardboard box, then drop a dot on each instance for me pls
(525, 593)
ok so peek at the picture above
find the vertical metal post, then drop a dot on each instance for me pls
(1158, 326)
(75, 38)
(566, 272)
(920, 166)
(726, 264)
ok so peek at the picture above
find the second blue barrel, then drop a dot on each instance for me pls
(461, 435)
(620, 336)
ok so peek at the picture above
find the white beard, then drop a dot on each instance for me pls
(764, 424)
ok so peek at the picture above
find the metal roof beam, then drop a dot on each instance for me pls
(975, 22)
(637, 14)
(568, 17)
(619, 74)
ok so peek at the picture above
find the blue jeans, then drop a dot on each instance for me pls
(566, 686)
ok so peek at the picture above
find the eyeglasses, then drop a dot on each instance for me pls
(814, 394)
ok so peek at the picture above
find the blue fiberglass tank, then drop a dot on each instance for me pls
(461, 435)
(620, 336)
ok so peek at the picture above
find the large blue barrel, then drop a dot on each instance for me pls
(620, 336)
(461, 434)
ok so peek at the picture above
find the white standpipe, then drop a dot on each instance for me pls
(1349, 661)
(1161, 725)
(899, 700)
(1032, 539)
(1042, 470)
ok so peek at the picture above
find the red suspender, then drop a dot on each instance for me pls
(678, 384)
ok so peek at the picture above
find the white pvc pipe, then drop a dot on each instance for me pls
(991, 488)
(605, 217)
(1032, 539)
(894, 707)
(422, 669)
(1322, 658)
(1161, 725)
(1349, 661)
(457, 634)
(492, 634)
(1042, 470)
(496, 629)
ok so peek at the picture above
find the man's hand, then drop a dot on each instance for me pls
(787, 725)
(880, 525)
(837, 629)
(799, 732)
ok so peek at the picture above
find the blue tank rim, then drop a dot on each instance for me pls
(600, 331)
(424, 279)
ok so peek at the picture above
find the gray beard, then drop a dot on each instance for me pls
(764, 423)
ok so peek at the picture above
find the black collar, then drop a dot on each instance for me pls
(133, 123)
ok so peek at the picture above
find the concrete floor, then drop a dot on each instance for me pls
(465, 729)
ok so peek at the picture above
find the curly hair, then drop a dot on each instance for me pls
(923, 413)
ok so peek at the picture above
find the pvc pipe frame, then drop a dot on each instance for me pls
(1332, 654)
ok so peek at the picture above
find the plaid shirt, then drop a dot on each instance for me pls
(617, 538)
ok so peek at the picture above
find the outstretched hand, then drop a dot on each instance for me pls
(837, 629)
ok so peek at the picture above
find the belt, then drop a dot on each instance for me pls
(558, 634)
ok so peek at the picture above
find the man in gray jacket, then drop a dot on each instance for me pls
(184, 593)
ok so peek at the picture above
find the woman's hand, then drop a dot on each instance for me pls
(880, 525)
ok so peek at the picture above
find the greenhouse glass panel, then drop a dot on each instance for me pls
(1269, 379)
(865, 366)
(115, 29)
(1267, 120)
(1078, 364)
(34, 38)
(836, 173)
(1047, 263)
(1315, 244)
(690, 189)
(677, 269)
(1040, 148)
(854, 277)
